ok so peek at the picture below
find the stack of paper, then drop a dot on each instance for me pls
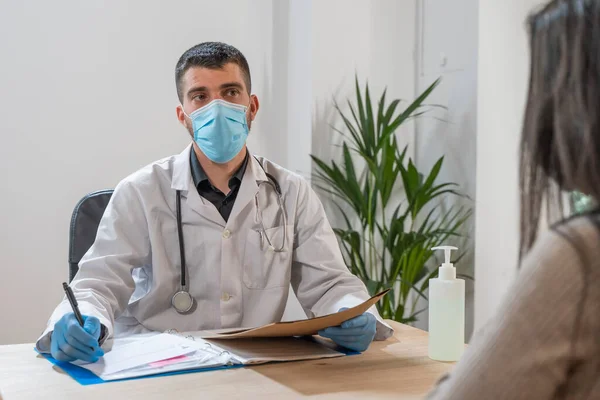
(153, 355)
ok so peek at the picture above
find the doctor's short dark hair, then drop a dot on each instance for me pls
(212, 55)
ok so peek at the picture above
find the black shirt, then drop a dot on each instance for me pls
(223, 203)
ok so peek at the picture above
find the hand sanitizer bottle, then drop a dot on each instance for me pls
(446, 312)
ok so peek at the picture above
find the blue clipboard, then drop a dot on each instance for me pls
(85, 377)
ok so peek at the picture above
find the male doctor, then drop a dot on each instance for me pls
(248, 229)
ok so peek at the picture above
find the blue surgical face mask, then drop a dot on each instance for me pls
(220, 130)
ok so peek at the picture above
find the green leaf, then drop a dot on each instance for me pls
(373, 287)
(349, 164)
(390, 112)
(425, 225)
(411, 108)
(400, 156)
(387, 172)
(354, 131)
(361, 110)
(433, 174)
(417, 103)
(344, 215)
(380, 114)
(369, 128)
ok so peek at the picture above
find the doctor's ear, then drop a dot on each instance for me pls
(181, 115)
(183, 120)
(254, 106)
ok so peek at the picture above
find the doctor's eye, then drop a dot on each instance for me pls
(232, 92)
(199, 97)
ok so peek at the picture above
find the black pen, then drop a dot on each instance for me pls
(73, 302)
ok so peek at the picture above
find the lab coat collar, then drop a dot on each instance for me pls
(182, 173)
(182, 180)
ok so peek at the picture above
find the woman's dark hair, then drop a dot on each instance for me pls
(560, 145)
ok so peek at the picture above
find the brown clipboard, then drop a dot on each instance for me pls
(299, 328)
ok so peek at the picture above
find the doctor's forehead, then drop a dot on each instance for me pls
(212, 78)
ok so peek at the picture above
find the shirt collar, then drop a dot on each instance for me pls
(199, 176)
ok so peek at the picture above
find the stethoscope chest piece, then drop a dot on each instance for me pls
(182, 301)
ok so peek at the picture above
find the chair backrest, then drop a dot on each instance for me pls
(84, 226)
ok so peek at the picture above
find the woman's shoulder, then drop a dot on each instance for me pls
(568, 247)
(580, 234)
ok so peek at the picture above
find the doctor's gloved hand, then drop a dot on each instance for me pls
(71, 342)
(354, 334)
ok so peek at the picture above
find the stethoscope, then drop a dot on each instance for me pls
(182, 301)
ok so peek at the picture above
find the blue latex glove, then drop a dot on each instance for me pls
(354, 334)
(71, 342)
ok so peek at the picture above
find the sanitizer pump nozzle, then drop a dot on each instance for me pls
(447, 270)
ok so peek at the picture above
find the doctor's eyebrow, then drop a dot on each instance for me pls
(197, 89)
(230, 85)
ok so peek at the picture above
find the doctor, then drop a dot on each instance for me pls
(210, 238)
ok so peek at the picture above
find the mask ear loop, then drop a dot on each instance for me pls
(183, 111)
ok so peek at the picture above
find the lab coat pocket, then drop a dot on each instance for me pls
(266, 267)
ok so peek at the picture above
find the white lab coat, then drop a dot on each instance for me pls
(128, 276)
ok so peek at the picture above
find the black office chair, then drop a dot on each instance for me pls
(84, 226)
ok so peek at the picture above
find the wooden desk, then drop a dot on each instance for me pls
(397, 368)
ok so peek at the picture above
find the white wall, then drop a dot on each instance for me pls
(89, 97)
(503, 74)
(447, 49)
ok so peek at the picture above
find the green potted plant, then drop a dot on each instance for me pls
(387, 241)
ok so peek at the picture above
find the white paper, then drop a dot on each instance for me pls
(142, 352)
(199, 359)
